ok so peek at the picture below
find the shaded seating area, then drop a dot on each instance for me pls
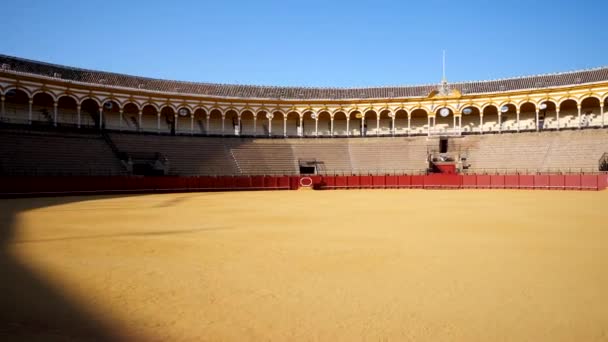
(48, 152)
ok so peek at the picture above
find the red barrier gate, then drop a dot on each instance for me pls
(405, 181)
(589, 182)
(417, 181)
(391, 181)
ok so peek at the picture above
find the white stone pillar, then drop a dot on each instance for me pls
(101, 117)
(377, 124)
(78, 109)
(207, 118)
(269, 124)
(223, 123)
(316, 126)
(557, 116)
(2, 113)
(602, 113)
(175, 118)
(409, 123)
(120, 123)
(55, 104)
(537, 122)
(347, 126)
(301, 132)
(362, 133)
(139, 118)
(393, 125)
(459, 124)
(579, 107)
(480, 123)
(285, 126)
(499, 121)
(29, 113)
(331, 128)
(158, 122)
(191, 123)
(238, 132)
(517, 113)
(255, 124)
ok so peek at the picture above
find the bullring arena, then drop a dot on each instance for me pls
(145, 209)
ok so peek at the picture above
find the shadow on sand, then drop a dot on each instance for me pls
(31, 307)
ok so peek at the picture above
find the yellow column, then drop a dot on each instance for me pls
(55, 104)
(139, 114)
(29, 113)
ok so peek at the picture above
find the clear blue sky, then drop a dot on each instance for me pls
(310, 43)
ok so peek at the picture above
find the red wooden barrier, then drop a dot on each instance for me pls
(270, 182)
(391, 181)
(294, 182)
(589, 182)
(602, 181)
(442, 181)
(541, 181)
(379, 181)
(218, 182)
(405, 181)
(230, 182)
(526, 181)
(316, 181)
(353, 181)
(257, 181)
(341, 181)
(159, 183)
(469, 181)
(284, 182)
(365, 181)
(49, 185)
(241, 182)
(205, 182)
(511, 181)
(215, 182)
(452, 181)
(497, 181)
(484, 181)
(417, 181)
(328, 182)
(557, 182)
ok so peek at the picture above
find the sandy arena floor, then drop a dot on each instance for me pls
(395, 265)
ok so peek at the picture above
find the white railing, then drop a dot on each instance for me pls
(445, 132)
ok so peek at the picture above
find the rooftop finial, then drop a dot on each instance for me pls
(443, 79)
(443, 88)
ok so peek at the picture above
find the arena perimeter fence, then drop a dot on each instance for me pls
(64, 185)
(325, 172)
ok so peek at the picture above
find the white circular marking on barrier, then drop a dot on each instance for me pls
(308, 182)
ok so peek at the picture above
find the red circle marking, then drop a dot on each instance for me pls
(308, 181)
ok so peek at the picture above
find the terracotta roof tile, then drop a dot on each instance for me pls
(296, 93)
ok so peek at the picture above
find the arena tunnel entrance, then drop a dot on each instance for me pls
(310, 166)
(443, 145)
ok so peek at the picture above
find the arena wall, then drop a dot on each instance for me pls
(40, 186)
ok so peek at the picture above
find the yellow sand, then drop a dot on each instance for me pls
(394, 265)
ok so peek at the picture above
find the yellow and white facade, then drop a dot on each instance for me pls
(32, 92)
